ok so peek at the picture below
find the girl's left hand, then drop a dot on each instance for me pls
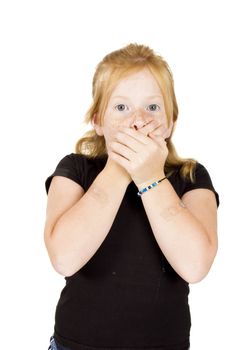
(142, 156)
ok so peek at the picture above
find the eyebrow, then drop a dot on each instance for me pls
(147, 98)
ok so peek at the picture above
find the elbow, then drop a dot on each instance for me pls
(195, 276)
(62, 265)
(200, 271)
(57, 265)
(65, 266)
(60, 268)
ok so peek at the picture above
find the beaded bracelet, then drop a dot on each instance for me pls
(150, 186)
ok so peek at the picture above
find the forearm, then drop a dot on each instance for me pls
(181, 237)
(81, 230)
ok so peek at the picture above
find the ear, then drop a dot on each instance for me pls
(168, 131)
(96, 126)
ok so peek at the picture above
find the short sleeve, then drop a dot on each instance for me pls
(69, 166)
(202, 180)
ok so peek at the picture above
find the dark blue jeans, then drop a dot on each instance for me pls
(55, 346)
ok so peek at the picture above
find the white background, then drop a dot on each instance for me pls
(49, 52)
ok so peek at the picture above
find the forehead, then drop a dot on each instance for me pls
(142, 80)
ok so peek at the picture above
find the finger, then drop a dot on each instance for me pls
(160, 131)
(140, 137)
(159, 139)
(128, 141)
(163, 130)
(154, 124)
(122, 150)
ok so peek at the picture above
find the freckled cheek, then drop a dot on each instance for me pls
(114, 124)
(110, 131)
(161, 117)
(113, 127)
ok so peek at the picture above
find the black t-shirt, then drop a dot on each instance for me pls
(127, 295)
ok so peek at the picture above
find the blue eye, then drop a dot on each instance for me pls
(155, 107)
(122, 107)
(121, 104)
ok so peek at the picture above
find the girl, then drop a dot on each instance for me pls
(129, 223)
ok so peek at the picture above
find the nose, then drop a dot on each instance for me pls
(140, 119)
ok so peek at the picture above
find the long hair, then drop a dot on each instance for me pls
(116, 66)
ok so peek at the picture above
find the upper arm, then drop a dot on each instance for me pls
(62, 195)
(202, 204)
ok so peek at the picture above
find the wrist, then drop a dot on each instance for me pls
(116, 178)
(141, 185)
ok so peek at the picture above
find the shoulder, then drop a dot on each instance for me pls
(187, 172)
(200, 173)
(202, 179)
(69, 166)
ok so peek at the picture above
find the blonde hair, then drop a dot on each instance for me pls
(116, 66)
